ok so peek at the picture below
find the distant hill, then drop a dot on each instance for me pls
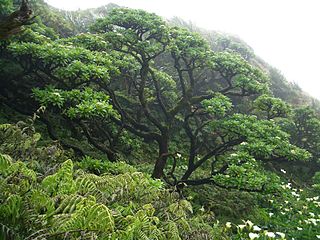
(68, 23)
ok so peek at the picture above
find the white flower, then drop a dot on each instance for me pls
(256, 228)
(249, 223)
(295, 194)
(270, 234)
(271, 214)
(316, 198)
(313, 221)
(318, 236)
(243, 143)
(228, 224)
(253, 235)
(312, 214)
(282, 235)
(299, 228)
(233, 155)
(282, 170)
(241, 226)
(286, 186)
(179, 155)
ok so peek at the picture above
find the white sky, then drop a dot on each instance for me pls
(285, 33)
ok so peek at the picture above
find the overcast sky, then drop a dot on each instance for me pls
(285, 33)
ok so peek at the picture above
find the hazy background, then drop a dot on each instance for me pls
(285, 33)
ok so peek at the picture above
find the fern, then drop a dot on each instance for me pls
(181, 208)
(172, 231)
(61, 182)
(5, 162)
(92, 217)
(72, 203)
(4, 127)
(12, 207)
(69, 204)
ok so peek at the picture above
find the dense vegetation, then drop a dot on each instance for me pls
(148, 129)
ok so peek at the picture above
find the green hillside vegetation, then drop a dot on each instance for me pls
(118, 124)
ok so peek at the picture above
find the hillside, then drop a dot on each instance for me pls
(79, 21)
(118, 124)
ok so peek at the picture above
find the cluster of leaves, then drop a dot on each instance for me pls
(83, 104)
(6, 7)
(272, 107)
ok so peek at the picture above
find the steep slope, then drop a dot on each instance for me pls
(74, 22)
(280, 86)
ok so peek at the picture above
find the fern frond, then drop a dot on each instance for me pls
(5, 162)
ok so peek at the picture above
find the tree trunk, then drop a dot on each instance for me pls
(162, 160)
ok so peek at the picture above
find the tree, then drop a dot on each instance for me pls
(158, 83)
(304, 128)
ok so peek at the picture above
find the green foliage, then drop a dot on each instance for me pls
(262, 138)
(21, 142)
(248, 175)
(99, 167)
(316, 181)
(119, 204)
(108, 84)
(304, 128)
(82, 104)
(140, 32)
(230, 43)
(61, 182)
(295, 213)
(93, 42)
(272, 107)
(248, 78)
(218, 105)
(6, 7)
(53, 18)
(188, 45)
(135, 84)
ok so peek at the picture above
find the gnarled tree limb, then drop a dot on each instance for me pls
(12, 24)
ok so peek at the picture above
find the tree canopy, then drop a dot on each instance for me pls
(112, 79)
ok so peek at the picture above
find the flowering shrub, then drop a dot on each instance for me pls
(294, 214)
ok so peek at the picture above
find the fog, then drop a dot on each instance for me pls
(284, 33)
